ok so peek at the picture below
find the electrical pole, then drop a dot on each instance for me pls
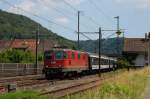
(99, 44)
(147, 38)
(78, 29)
(36, 50)
(118, 33)
(118, 26)
(100, 36)
(148, 52)
(148, 48)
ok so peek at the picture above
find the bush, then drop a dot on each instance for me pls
(16, 56)
(123, 63)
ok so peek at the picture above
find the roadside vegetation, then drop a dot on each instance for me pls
(23, 95)
(121, 84)
(18, 56)
(126, 85)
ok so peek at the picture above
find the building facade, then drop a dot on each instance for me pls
(136, 51)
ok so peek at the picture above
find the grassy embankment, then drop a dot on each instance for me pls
(126, 85)
(23, 95)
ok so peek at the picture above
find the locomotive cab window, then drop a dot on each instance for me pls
(47, 55)
(79, 55)
(73, 56)
(59, 55)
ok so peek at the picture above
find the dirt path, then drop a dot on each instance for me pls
(146, 95)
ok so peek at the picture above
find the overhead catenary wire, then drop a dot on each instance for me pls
(90, 18)
(40, 17)
(85, 36)
(66, 15)
(56, 9)
(99, 10)
(105, 40)
(70, 5)
(37, 16)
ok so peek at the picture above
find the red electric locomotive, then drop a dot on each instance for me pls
(64, 61)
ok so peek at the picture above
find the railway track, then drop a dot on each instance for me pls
(20, 81)
(60, 88)
(75, 87)
(72, 89)
(19, 78)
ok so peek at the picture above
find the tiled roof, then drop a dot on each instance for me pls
(29, 44)
(135, 45)
(4, 44)
(24, 43)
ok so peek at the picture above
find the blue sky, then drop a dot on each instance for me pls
(134, 15)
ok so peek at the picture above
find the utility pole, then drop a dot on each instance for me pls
(147, 38)
(100, 37)
(78, 29)
(148, 52)
(36, 49)
(99, 45)
(118, 33)
(118, 26)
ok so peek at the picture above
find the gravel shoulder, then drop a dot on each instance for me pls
(146, 94)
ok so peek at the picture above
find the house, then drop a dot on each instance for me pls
(4, 44)
(26, 44)
(23, 44)
(136, 51)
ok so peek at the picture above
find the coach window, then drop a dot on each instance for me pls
(73, 55)
(65, 55)
(79, 55)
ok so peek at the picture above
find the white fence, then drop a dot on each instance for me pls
(19, 69)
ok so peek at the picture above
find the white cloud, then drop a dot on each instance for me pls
(41, 6)
(62, 20)
(26, 5)
(74, 2)
(143, 3)
(136, 3)
(38, 6)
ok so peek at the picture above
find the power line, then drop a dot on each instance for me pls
(85, 36)
(70, 5)
(60, 12)
(108, 38)
(57, 10)
(90, 18)
(98, 9)
(35, 15)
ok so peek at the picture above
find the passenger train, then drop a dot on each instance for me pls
(62, 62)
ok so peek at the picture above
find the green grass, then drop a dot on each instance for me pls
(123, 85)
(23, 95)
(126, 85)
